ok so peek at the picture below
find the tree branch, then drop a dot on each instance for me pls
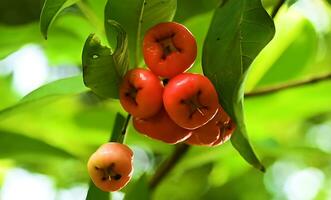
(277, 88)
(168, 165)
(277, 7)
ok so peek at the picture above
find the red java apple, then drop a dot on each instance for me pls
(190, 100)
(169, 49)
(161, 127)
(110, 167)
(141, 93)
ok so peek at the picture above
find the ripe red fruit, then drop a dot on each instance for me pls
(110, 167)
(190, 100)
(169, 49)
(226, 131)
(215, 132)
(141, 93)
(161, 127)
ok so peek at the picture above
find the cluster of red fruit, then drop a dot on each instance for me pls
(183, 107)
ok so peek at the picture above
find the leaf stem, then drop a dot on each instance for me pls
(168, 165)
(277, 7)
(281, 87)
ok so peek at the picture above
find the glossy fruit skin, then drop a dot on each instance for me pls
(141, 93)
(169, 49)
(215, 132)
(110, 167)
(190, 100)
(161, 127)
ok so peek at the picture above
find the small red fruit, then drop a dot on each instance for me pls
(215, 132)
(226, 131)
(110, 167)
(190, 100)
(169, 49)
(141, 93)
(161, 127)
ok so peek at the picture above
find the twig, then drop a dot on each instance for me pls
(286, 86)
(277, 7)
(168, 165)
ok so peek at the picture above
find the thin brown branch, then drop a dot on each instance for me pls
(168, 165)
(286, 86)
(277, 7)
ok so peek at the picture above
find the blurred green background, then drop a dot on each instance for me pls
(45, 142)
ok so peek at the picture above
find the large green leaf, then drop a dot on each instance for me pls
(48, 92)
(13, 144)
(136, 17)
(49, 12)
(102, 70)
(230, 47)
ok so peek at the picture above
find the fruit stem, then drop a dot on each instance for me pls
(120, 128)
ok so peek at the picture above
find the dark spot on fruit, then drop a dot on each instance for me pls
(117, 177)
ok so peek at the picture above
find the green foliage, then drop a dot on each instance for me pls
(49, 12)
(138, 17)
(47, 93)
(229, 49)
(62, 123)
(102, 70)
(26, 145)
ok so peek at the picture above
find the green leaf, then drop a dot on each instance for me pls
(103, 71)
(229, 49)
(139, 190)
(49, 12)
(16, 144)
(136, 17)
(49, 92)
(95, 193)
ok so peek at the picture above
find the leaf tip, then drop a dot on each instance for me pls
(262, 168)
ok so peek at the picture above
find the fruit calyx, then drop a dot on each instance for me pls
(108, 173)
